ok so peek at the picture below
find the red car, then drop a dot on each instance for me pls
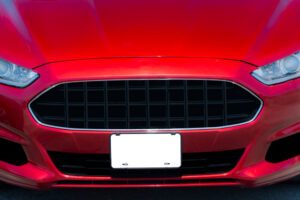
(113, 93)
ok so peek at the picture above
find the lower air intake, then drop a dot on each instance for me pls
(12, 153)
(284, 149)
(100, 165)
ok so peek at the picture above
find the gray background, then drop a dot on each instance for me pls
(283, 191)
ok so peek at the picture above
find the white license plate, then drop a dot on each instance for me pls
(145, 151)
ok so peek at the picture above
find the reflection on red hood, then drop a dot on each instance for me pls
(34, 32)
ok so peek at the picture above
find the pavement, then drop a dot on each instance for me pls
(282, 191)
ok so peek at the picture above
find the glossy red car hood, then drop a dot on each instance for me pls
(34, 32)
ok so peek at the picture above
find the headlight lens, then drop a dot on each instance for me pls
(279, 71)
(11, 74)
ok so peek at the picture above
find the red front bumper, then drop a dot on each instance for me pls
(278, 118)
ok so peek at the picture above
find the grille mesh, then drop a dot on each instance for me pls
(145, 104)
(100, 165)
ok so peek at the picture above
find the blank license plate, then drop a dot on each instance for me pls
(145, 151)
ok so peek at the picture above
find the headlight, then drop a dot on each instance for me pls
(279, 71)
(11, 74)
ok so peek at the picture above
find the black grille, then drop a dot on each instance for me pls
(100, 165)
(145, 104)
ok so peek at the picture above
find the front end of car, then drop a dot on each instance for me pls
(238, 123)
